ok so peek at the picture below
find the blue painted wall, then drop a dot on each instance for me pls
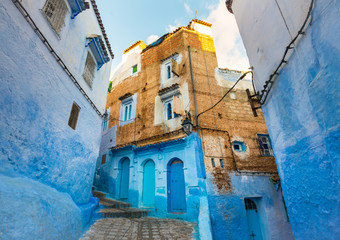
(228, 213)
(186, 150)
(303, 118)
(47, 168)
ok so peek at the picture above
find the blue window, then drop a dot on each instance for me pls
(213, 162)
(127, 110)
(169, 110)
(221, 163)
(77, 6)
(265, 145)
(239, 146)
(168, 71)
(98, 49)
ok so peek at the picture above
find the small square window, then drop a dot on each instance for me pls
(265, 145)
(134, 69)
(232, 95)
(239, 146)
(55, 12)
(72, 121)
(89, 69)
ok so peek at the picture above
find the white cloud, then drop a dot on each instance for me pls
(151, 39)
(188, 9)
(229, 47)
(171, 28)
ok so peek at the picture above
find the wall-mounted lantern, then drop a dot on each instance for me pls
(187, 125)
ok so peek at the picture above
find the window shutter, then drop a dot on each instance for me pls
(178, 106)
(55, 12)
(72, 121)
(89, 69)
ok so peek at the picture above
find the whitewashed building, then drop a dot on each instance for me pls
(293, 46)
(55, 62)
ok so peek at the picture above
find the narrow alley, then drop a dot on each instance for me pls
(169, 120)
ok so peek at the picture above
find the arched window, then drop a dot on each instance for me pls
(169, 110)
(168, 70)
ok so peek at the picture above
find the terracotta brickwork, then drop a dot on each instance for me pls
(232, 120)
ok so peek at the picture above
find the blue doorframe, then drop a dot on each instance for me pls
(124, 178)
(148, 194)
(176, 186)
(253, 219)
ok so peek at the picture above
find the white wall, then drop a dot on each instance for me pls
(265, 33)
(70, 46)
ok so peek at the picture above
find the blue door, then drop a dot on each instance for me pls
(253, 218)
(149, 184)
(176, 191)
(124, 179)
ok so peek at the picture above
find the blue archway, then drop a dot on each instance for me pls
(176, 186)
(149, 184)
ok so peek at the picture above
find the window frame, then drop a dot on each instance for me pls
(165, 109)
(242, 146)
(127, 112)
(56, 23)
(213, 164)
(221, 163)
(164, 69)
(268, 143)
(133, 68)
(74, 116)
(89, 54)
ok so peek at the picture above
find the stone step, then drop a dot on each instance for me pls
(111, 203)
(99, 194)
(123, 213)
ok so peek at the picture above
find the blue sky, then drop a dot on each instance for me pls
(131, 20)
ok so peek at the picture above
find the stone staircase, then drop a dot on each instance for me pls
(111, 208)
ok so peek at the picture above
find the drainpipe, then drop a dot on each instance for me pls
(194, 91)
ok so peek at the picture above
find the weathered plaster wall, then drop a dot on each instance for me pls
(228, 213)
(47, 168)
(303, 115)
(124, 69)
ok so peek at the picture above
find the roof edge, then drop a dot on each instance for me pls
(99, 19)
(139, 42)
(200, 22)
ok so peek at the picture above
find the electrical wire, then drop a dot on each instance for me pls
(244, 74)
(269, 83)
(30, 21)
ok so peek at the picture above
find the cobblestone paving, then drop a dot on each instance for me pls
(139, 228)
